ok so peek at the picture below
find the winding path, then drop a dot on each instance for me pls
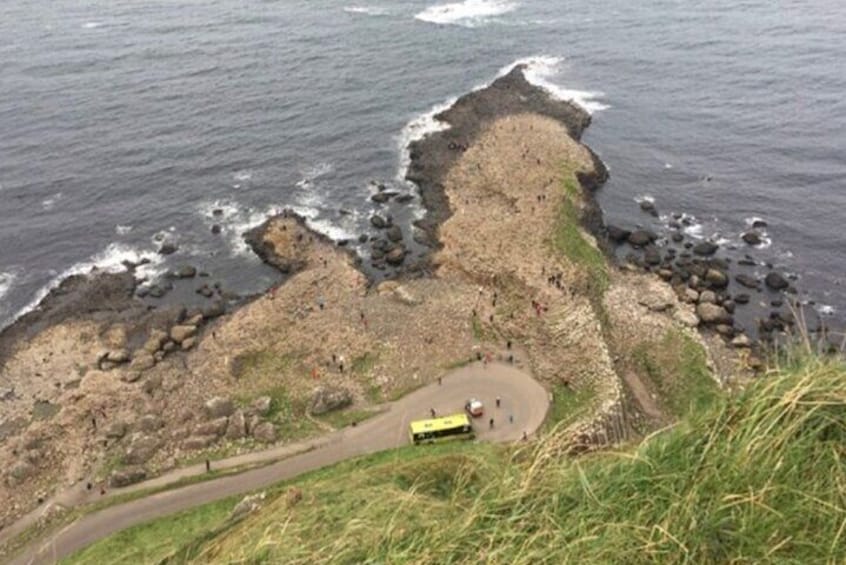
(523, 398)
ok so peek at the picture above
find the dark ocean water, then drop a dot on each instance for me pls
(126, 122)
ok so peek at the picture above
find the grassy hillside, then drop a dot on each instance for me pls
(756, 478)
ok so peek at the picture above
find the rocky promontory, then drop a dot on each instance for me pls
(106, 391)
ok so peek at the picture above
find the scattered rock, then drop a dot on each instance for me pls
(185, 272)
(155, 341)
(752, 237)
(141, 449)
(216, 229)
(213, 310)
(649, 207)
(379, 222)
(394, 233)
(237, 426)
(651, 255)
(265, 432)
(677, 237)
(705, 248)
(691, 295)
(396, 255)
(188, 343)
(168, 249)
(325, 399)
(118, 356)
(182, 332)
(205, 291)
(741, 340)
(707, 297)
(712, 314)
(724, 330)
(748, 282)
(219, 407)
(216, 427)
(716, 278)
(776, 281)
(617, 235)
(641, 238)
(127, 476)
(141, 361)
(248, 504)
(380, 197)
(759, 224)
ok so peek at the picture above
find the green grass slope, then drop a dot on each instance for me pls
(756, 478)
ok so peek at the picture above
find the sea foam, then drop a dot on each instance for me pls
(541, 70)
(366, 10)
(470, 13)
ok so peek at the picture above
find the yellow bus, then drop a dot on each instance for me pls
(447, 428)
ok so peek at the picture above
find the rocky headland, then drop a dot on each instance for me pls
(103, 390)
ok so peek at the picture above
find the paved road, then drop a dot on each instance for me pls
(522, 397)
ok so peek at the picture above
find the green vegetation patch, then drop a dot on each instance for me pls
(255, 365)
(343, 418)
(569, 240)
(364, 364)
(677, 368)
(569, 404)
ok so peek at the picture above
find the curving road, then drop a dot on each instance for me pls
(523, 398)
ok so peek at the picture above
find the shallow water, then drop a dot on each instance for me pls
(125, 123)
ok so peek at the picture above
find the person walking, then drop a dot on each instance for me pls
(432, 410)
(498, 401)
(208, 466)
(492, 423)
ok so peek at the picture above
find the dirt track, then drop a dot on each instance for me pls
(522, 397)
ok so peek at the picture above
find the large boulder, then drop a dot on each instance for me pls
(264, 432)
(325, 399)
(712, 314)
(182, 332)
(716, 278)
(641, 238)
(155, 341)
(127, 476)
(617, 234)
(776, 281)
(216, 427)
(236, 426)
(219, 407)
(141, 449)
(686, 318)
